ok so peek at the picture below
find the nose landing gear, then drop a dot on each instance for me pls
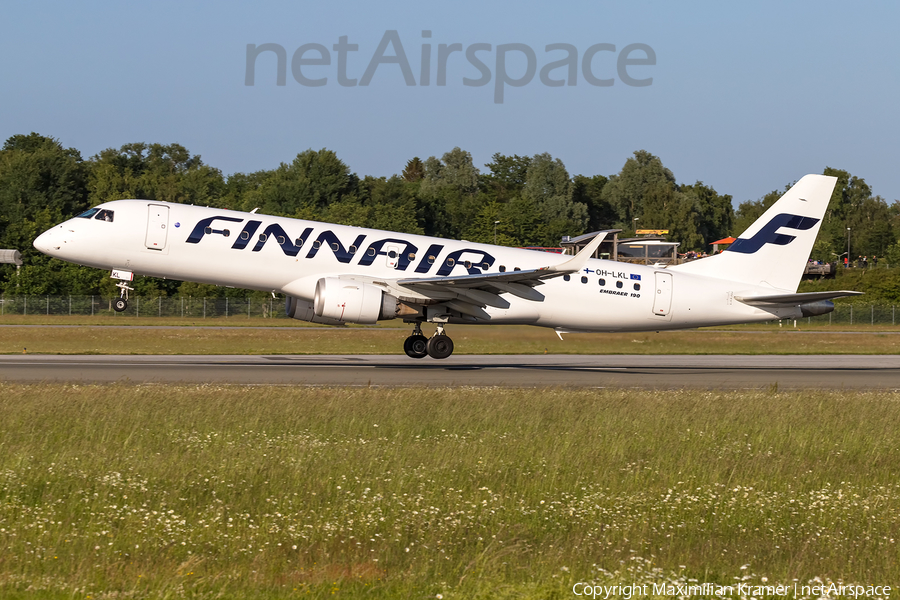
(121, 303)
(437, 346)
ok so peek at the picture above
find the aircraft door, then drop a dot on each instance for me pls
(157, 226)
(392, 253)
(662, 300)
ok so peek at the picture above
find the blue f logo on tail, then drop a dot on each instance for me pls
(768, 234)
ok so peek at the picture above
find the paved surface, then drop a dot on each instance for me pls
(673, 371)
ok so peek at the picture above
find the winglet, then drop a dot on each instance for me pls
(577, 262)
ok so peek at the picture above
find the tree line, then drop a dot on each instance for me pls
(517, 200)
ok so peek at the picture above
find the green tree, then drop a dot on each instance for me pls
(304, 188)
(507, 176)
(392, 203)
(712, 214)
(168, 173)
(41, 184)
(589, 191)
(870, 219)
(549, 189)
(448, 194)
(242, 189)
(627, 190)
(38, 174)
(414, 171)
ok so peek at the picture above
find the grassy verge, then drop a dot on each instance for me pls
(469, 339)
(861, 324)
(260, 492)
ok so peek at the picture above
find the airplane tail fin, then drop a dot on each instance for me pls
(773, 252)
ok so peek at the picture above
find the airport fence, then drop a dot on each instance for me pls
(142, 306)
(859, 314)
(273, 308)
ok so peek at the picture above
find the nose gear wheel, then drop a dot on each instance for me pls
(121, 303)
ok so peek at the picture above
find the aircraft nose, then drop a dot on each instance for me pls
(50, 241)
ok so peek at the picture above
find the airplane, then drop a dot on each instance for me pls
(337, 274)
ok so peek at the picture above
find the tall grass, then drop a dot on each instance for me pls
(271, 492)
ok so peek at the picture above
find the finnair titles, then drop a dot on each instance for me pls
(337, 274)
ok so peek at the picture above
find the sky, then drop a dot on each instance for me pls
(745, 97)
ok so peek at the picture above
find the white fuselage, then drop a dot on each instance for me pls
(279, 254)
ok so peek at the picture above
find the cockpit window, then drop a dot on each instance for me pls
(88, 213)
(105, 215)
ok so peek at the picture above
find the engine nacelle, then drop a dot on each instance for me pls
(348, 301)
(814, 309)
(303, 310)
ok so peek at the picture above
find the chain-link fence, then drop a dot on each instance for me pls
(178, 306)
(202, 308)
(859, 314)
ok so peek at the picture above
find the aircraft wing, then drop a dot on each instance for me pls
(470, 294)
(793, 299)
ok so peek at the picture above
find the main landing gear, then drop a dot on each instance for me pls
(437, 346)
(121, 303)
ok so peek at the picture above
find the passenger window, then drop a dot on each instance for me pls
(226, 232)
(105, 215)
(485, 266)
(516, 269)
(262, 237)
(450, 262)
(89, 213)
(352, 249)
(317, 244)
(619, 284)
(583, 279)
(468, 264)
(412, 256)
(431, 260)
(392, 254)
(334, 246)
(502, 269)
(566, 278)
(280, 238)
(298, 242)
(602, 282)
(245, 235)
(637, 287)
(371, 251)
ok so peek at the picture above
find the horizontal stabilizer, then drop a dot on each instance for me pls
(793, 299)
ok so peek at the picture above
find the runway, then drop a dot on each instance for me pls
(879, 372)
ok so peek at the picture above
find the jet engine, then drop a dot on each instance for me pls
(348, 301)
(302, 310)
(814, 309)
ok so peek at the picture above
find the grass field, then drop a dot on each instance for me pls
(813, 324)
(469, 339)
(276, 492)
